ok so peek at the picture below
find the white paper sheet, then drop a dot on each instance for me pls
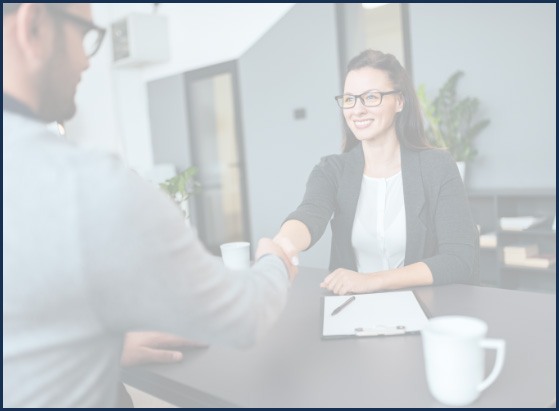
(378, 311)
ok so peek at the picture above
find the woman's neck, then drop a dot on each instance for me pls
(382, 159)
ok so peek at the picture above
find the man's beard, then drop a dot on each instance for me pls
(57, 93)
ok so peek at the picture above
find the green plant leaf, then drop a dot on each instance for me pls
(183, 184)
(450, 121)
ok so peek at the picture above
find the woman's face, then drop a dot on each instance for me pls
(371, 123)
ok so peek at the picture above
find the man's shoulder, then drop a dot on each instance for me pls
(106, 174)
(95, 161)
(29, 141)
(86, 163)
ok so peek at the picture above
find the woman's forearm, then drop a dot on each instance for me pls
(294, 235)
(412, 275)
(343, 281)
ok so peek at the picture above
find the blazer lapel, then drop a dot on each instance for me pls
(348, 195)
(414, 199)
(352, 179)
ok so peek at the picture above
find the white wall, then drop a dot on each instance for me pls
(508, 54)
(383, 30)
(113, 108)
(378, 28)
(293, 66)
(96, 123)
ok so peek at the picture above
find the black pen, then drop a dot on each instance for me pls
(344, 305)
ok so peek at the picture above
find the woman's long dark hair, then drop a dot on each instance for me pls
(409, 122)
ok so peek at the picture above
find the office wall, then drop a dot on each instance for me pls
(168, 122)
(383, 30)
(508, 54)
(96, 122)
(293, 66)
(113, 103)
(378, 28)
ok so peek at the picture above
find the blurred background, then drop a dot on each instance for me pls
(245, 92)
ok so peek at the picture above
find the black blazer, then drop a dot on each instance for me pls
(440, 230)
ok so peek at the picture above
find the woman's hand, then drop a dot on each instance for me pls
(288, 248)
(343, 281)
(268, 246)
(293, 237)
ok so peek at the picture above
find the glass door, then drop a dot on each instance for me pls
(220, 212)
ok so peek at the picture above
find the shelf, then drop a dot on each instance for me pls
(513, 192)
(488, 206)
(546, 232)
(550, 270)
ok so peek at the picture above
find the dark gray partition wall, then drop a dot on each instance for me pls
(167, 115)
(288, 81)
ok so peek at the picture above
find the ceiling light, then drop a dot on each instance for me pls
(370, 6)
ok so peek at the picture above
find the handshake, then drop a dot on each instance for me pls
(293, 237)
(282, 247)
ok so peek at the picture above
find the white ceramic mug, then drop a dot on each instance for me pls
(454, 350)
(236, 256)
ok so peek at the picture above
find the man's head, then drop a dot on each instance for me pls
(45, 53)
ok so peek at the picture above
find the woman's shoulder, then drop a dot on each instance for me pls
(435, 154)
(334, 163)
(437, 165)
(435, 158)
(355, 155)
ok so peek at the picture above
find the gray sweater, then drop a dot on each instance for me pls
(92, 251)
(439, 226)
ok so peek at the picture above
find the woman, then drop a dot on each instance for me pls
(400, 212)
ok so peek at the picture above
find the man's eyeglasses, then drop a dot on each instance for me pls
(93, 36)
(370, 98)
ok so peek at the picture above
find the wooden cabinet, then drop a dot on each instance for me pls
(488, 207)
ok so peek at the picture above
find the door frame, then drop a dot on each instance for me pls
(228, 67)
(342, 38)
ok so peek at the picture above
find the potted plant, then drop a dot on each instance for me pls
(450, 121)
(181, 187)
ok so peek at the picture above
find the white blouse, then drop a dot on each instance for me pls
(379, 228)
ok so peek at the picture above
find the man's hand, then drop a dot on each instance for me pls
(145, 347)
(288, 248)
(267, 246)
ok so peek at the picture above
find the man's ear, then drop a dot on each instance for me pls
(34, 32)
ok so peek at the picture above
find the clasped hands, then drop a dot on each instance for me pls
(281, 248)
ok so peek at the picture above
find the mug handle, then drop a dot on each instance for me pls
(498, 345)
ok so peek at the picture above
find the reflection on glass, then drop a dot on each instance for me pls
(219, 204)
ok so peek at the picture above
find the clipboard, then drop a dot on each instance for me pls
(372, 315)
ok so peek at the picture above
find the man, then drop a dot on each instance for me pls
(90, 250)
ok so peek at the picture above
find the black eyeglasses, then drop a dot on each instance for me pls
(370, 98)
(93, 36)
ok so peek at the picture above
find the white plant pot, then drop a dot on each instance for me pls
(185, 211)
(462, 169)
